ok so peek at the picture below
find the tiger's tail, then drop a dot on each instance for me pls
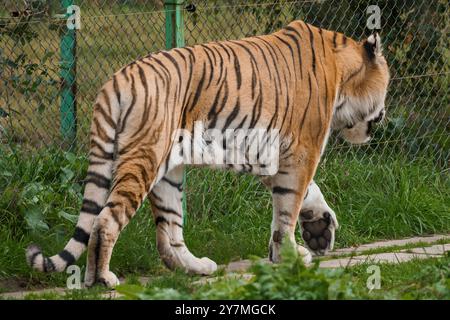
(102, 143)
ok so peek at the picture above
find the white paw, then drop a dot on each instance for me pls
(305, 254)
(205, 267)
(318, 229)
(108, 279)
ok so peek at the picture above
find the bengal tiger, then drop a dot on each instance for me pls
(302, 80)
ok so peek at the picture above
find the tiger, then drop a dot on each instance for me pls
(302, 81)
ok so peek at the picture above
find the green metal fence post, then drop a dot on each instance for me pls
(68, 110)
(175, 38)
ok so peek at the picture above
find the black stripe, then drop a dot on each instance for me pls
(131, 107)
(67, 257)
(177, 245)
(81, 236)
(176, 185)
(221, 68)
(313, 52)
(334, 39)
(91, 207)
(263, 54)
(198, 91)
(98, 179)
(323, 42)
(188, 84)
(95, 162)
(49, 266)
(296, 42)
(123, 71)
(285, 213)
(131, 197)
(232, 115)
(224, 49)
(126, 177)
(160, 219)
(353, 74)
(287, 45)
(237, 69)
(154, 195)
(167, 210)
(34, 256)
(145, 115)
(177, 224)
(116, 89)
(107, 117)
(282, 190)
(213, 112)
(211, 73)
(177, 67)
(292, 29)
(104, 154)
(101, 132)
(307, 193)
(111, 204)
(309, 101)
(282, 54)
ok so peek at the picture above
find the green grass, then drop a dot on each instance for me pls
(228, 215)
(416, 279)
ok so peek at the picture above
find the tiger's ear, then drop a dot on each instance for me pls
(373, 46)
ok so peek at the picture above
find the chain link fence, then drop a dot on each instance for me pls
(33, 76)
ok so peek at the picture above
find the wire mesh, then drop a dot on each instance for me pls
(114, 33)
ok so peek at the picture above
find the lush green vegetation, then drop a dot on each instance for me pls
(421, 279)
(292, 280)
(228, 215)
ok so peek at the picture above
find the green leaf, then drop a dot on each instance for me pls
(131, 291)
(70, 157)
(35, 219)
(70, 217)
(67, 174)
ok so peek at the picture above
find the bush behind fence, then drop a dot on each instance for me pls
(114, 33)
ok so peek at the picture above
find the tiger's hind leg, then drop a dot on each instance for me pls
(134, 175)
(317, 222)
(166, 199)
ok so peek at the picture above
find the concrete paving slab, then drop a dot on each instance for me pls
(239, 268)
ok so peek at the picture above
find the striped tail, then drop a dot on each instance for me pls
(102, 137)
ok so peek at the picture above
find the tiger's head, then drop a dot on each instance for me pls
(362, 91)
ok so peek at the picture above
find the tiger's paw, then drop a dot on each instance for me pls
(108, 279)
(204, 267)
(305, 254)
(275, 249)
(200, 266)
(318, 229)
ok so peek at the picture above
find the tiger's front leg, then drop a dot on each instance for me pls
(166, 199)
(317, 222)
(288, 188)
